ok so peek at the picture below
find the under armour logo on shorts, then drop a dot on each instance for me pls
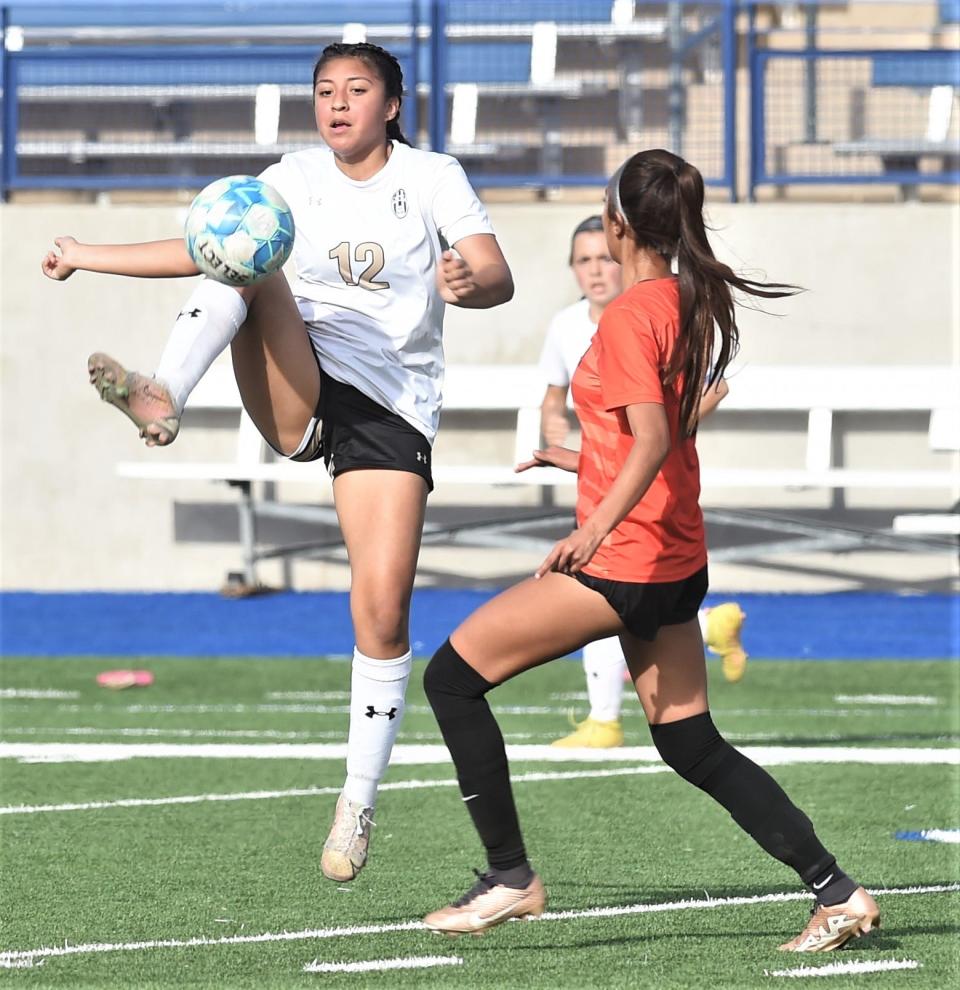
(421, 457)
(371, 711)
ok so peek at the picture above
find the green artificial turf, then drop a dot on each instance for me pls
(216, 869)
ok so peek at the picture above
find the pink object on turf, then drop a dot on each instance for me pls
(118, 679)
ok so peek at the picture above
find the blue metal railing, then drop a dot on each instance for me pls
(843, 142)
(73, 44)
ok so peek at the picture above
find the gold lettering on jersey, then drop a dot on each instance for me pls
(374, 252)
(368, 251)
(341, 254)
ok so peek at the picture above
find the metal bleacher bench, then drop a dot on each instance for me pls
(820, 393)
(937, 72)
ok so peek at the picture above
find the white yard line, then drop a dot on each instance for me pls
(399, 785)
(303, 708)
(885, 699)
(37, 694)
(425, 755)
(308, 696)
(378, 965)
(12, 956)
(155, 733)
(842, 968)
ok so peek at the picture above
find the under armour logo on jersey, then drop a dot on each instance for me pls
(193, 313)
(371, 711)
(400, 204)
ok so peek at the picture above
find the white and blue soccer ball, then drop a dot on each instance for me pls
(238, 230)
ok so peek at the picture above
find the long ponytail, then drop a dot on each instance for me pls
(661, 198)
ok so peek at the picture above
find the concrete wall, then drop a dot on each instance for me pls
(882, 289)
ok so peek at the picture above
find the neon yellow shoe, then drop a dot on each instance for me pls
(724, 623)
(593, 734)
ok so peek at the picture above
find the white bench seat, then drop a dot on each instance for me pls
(818, 393)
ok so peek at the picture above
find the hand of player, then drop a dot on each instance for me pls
(561, 457)
(56, 264)
(455, 277)
(571, 554)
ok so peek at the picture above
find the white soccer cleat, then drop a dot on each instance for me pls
(345, 851)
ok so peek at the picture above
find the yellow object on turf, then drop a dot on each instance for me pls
(593, 734)
(724, 623)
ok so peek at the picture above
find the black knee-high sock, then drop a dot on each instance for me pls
(456, 694)
(756, 802)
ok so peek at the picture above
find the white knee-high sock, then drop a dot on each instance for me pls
(702, 620)
(604, 665)
(204, 328)
(377, 689)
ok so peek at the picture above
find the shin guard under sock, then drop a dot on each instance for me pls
(756, 802)
(206, 325)
(456, 694)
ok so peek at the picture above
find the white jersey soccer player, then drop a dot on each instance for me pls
(345, 363)
(368, 294)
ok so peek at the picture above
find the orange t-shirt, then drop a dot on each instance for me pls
(662, 537)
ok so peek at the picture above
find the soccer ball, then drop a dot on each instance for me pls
(239, 230)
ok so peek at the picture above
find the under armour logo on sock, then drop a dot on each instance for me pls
(371, 711)
(193, 313)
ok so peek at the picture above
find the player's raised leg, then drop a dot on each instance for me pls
(272, 356)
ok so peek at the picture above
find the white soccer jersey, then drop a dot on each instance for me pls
(567, 340)
(366, 255)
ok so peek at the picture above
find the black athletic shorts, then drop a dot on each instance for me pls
(358, 433)
(644, 608)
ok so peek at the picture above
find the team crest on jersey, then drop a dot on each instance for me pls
(400, 204)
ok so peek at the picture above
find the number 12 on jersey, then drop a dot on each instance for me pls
(368, 251)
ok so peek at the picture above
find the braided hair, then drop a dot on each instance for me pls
(382, 63)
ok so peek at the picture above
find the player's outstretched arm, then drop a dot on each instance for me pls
(152, 259)
(476, 276)
(552, 456)
(651, 432)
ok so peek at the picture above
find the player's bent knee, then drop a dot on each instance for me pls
(448, 676)
(692, 747)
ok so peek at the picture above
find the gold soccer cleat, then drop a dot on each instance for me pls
(142, 400)
(345, 851)
(592, 734)
(831, 927)
(487, 904)
(724, 623)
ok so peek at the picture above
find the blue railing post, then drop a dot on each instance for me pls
(412, 114)
(756, 104)
(438, 75)
(9, 110)
(729, 36)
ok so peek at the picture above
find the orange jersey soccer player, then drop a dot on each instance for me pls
(635, 566)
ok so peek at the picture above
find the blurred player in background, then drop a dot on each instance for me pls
(347, 366)
(568, 338)
(635, 566)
